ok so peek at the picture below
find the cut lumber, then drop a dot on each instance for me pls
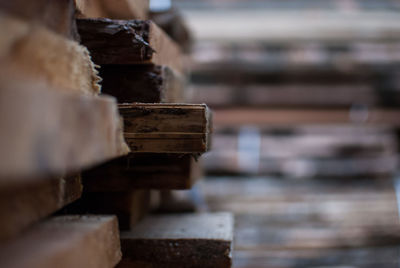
(25, 203)
(142, 83)
(189, 240)
(285, 117)
(34, 52)
(172, 22)
(130, 206)
(144, 171)
(66, 241)
(117, 9)
(126, 9)
(50, 132)
(129, 42)
(58, 16)
(167, 128)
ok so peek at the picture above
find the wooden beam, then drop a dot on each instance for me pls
(117, 9)
(285, 117)
(129, 42)
(167, 128)
(144, 171)
(142, 83)
(22, 204)
(67, 241)
(50, 132)
(130, 206)
(35, 52)
(57, 16)
(189, 240)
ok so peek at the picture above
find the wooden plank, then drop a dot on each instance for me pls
(142, 83)
(35, 52)
(167, 128)
(172, 22)
(120, 9)
(282, 117)
(55, 15)
(129, 42)
(22, 204)
(50, 132)
(130, 206)
(66, 241)
(191, 240)
(144, 171)
(126, 9)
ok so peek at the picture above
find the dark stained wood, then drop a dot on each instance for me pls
(191, 240)
(142, 83)
(130, 206)
(66, 241)
(22, 204)
(167, 128)
(144, 171)
(128, 42)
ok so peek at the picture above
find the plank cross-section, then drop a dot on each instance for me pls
(128, 42)
(67, 241)
(190, 240)
(167, 128)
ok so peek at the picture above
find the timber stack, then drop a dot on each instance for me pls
(96, 134)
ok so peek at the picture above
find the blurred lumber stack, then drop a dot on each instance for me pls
(284, 65)
(63, 143)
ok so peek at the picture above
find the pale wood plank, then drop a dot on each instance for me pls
(66, 241)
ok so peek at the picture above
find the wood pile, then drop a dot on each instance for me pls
(94, 125)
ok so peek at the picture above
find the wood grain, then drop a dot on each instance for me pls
(191, 240)
(129, 42)
(35, 52)
(167, 128)
(66, 241)
(22, 204)
(50, 132)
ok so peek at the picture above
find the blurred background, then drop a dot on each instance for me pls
(305, 96)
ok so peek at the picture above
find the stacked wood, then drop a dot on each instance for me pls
(305, 152)
(66, 241)
(202, 240)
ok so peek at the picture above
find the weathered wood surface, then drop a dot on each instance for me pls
(58, 16)
(23, 204)
(286, 117)
(128, 42)
(130, 206)
(308, 223)
(33, 51)
(167, 128)
(144, 171)
(142, 83)
(191, 240)
(66, 241)
(50, 132)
